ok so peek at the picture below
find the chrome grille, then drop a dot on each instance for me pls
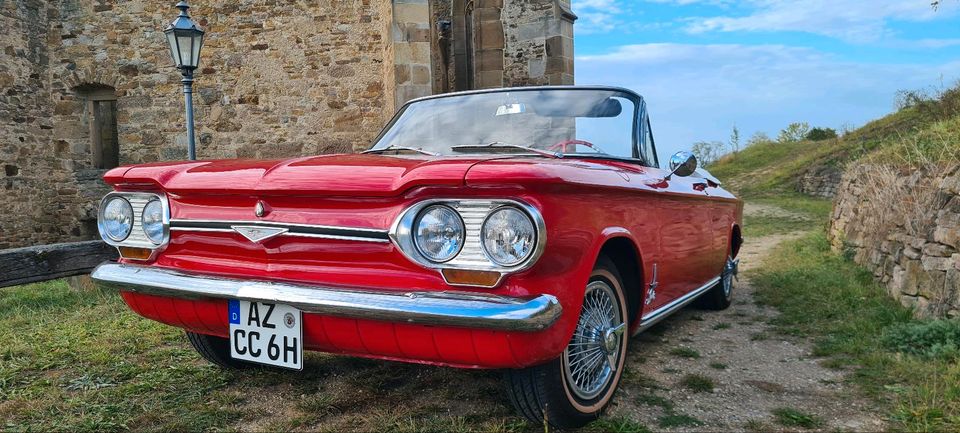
(473, 214)
(137, 237)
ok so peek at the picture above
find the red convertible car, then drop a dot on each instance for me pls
(530, 230)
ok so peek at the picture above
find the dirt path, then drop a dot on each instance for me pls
(755, 371)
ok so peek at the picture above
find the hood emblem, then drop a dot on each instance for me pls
(258, 234)
(260, 209)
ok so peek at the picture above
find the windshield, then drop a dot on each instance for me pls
(558, 121)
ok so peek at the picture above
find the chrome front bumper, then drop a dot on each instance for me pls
(459, 309)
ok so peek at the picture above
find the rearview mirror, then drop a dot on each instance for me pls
(515, 108)
(682, 164)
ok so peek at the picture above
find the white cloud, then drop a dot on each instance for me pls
(597, 16)
(849, 20)
(928, 43)
(698, 92)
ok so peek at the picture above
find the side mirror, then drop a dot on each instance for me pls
(682, 164)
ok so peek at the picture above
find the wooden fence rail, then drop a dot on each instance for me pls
(47, 262)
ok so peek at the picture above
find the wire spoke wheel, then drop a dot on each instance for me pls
(573, 389)
(729, 273)
(592, 357)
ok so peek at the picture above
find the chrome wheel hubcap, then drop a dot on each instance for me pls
(592, 357)
(729, 272)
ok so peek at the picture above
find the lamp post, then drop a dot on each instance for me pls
(185, 39)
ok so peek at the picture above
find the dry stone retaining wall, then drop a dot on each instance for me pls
(917, 260)
(821, 181)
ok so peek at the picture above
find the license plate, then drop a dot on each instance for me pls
(265, 333)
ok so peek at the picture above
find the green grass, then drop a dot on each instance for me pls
(824, 296)
(800, 213)
(697, 383)
(618, 425)
(654, 400)
(80, 361)
(718, 366)
(685, 352)
(720, 326)
(789, 417)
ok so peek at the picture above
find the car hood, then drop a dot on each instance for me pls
(327, 175)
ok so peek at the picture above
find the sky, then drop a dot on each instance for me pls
(704, 66)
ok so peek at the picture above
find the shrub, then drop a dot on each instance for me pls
(820, 134)
(758, 138)
(934, 103)
(794, 132)
(928, 339)
(708, 152)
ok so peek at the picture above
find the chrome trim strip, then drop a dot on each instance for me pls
(458, 309)
(273, 223)
(293, 229)
(666, 310)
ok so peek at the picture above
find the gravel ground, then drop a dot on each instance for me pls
(755, 370)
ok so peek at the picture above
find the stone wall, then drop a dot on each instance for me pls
(277, 79)
(916, 257)
(412, 40)
(820, 181)
(539, 43)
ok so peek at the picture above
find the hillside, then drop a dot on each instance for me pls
(925, 131)
(865, 290)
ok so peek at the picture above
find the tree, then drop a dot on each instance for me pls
(758, 138)
(708, 152)
(819, 134)
(935, 4)
(735, 139)
(794, 132)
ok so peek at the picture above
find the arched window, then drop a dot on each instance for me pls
(101, 113)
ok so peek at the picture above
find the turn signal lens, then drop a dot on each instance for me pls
(461, 277)
(135, 253)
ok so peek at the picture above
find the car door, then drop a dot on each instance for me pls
(683, 260)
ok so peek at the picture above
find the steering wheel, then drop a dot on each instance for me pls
(562, 146)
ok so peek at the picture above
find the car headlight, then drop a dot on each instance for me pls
(152, 221)
(438, 233)
(116, 219)
(508, 236)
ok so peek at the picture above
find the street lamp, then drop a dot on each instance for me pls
(185, 38)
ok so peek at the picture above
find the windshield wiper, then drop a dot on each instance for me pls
(395, 147)
(501, 145)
